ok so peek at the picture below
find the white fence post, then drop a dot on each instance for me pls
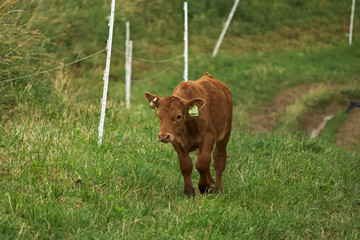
(185, 41)
(127, 40)
(351, 21)
(106, 72)
(225, 28)
(127, 65)
(128, 75)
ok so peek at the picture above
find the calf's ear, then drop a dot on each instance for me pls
(153, 100)
(199, 102)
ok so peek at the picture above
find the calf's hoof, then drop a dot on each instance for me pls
(204, 188)
(190, 192)
(217, 190)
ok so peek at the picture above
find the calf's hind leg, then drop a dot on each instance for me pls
(219, 156)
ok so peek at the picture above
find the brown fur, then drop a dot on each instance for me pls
(188, 133)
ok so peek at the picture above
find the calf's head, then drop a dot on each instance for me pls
(173, 112)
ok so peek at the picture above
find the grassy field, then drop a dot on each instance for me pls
(57, 183)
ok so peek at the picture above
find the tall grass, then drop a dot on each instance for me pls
(23, 52)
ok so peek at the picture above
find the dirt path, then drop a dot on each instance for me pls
(264, 122)
(349, 134)
(313, 121)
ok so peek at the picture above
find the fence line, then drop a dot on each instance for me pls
(93, 55)
(151, 61)
(97, 53)
(53, 69)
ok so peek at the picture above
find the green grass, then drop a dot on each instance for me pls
(57, 183)
(65, 186)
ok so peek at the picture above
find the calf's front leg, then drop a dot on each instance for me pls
(186, 167)
(203, 161)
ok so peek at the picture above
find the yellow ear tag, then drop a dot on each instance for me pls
(194, 111)
(152, 102)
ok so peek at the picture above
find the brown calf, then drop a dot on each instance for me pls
(197, 116)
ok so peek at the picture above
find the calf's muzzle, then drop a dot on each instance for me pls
(164, 137)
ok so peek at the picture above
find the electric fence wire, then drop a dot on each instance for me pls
(94, 54)
(53, 69)
(152, 61)
(156, 75)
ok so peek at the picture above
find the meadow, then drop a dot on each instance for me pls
(285, 61)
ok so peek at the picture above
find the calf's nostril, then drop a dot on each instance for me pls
(164, 137)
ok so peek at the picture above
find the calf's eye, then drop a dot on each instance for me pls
(178, 117)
